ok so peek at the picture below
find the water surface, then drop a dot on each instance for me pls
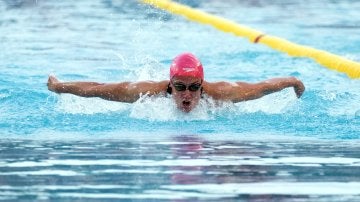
(63, 147)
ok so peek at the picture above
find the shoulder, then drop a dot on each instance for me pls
(218, 90)
(151, 87)
(159, 84)
(163, 83)
(226, 90)
(220, 86)
(150, 83)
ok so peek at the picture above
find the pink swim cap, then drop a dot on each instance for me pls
(186, 64)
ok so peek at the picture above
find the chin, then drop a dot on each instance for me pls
(185, 109)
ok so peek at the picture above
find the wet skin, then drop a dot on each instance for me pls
(186, 91)
(185, 100)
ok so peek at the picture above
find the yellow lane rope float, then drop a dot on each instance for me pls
(332, 61)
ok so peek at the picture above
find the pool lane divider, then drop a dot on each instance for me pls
(329, 60)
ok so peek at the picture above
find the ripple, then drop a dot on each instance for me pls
(283, 188)
(213, 160)
(44, 172)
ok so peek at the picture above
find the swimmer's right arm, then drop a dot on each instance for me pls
(121, 92)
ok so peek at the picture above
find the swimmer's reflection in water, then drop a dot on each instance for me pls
(206, 162)
(187, 148)
(186, 85)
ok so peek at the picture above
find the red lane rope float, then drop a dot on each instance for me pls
(257, 39)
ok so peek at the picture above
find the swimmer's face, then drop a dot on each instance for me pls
(186, 91)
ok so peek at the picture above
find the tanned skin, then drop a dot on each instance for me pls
(185, 100)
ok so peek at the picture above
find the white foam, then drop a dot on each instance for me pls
(276, 103)
(160, 108)
(79, 105)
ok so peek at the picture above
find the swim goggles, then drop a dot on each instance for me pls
(182, 87)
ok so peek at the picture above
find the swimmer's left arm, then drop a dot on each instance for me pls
(242, 91)
(277, 84)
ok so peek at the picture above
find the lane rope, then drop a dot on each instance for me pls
(329, 60)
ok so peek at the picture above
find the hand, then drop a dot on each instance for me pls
(299, 87)
(52, 81)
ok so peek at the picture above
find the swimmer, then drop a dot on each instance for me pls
(186, 85)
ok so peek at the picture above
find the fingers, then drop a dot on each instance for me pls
(52, 80)
(299, 93)
(299, 89)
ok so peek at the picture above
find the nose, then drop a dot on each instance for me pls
(186, 94)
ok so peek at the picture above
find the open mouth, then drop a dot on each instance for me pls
(186, 103)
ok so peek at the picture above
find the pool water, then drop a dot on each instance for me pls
(63, 147)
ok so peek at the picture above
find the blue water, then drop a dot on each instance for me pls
(63, 147)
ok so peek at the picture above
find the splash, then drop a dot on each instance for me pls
(161, 108)
(276, 103)
(78, 105)
(151, 70)
(339, 98)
